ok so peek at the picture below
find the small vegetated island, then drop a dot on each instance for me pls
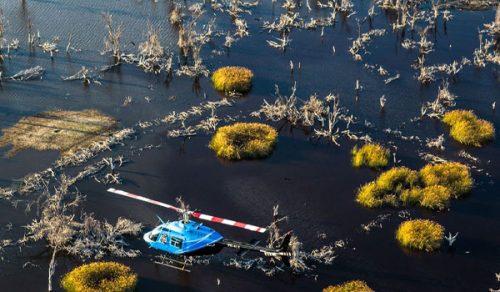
(420, 234)
(351, 286)
(432, 187)
(371, 155)
(232, 79)
(64, 131)
(100, 276)
(466, 128)
(244, 141)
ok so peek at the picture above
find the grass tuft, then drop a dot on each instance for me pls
(371, 155)
(100, 276)
(351, 286)
(244, 141)
(232, 79)
(468, 129)
(420, 234)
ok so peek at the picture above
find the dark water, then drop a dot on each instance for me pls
(312, 181)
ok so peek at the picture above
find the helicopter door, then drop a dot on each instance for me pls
(176, 242)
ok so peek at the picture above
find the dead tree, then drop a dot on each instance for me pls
(2, 32)
(112, 40)
(83, 237)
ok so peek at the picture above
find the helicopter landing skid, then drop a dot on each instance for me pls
(175, 263)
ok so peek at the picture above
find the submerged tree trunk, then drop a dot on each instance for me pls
(52, 268)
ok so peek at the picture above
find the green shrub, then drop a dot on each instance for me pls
(351, 286)
(420, 234)
(371, 155)
(453, 175)
(100, 276)
(468, 129)
(244, 141)
(232, 79)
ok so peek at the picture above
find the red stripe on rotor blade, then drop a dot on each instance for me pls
(240, 225)
(217, 219)
(194, 214)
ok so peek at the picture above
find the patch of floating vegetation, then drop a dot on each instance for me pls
(387, 188)
(420, 234)
(371, 155)
(65, 131)
(100, 276)
(244, 141)
(453, 175)
(350, 286)
(434, 197)
(232, 79)
(468, 129)
(432, 187)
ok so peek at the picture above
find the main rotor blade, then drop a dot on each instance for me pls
(144, 199)
(228, 222)
(192, 213)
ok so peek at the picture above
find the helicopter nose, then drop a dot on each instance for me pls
(147, 237)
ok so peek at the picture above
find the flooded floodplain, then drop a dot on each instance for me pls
(164, 123)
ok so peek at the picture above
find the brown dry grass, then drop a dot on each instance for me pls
(64, 131)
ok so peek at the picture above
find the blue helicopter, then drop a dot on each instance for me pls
(187, 237)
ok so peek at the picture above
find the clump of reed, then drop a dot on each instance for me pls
(232, 79)
(350, 286)
(432, 187)
(371, 154)
(468, 129)
(100, 276)
(244, 141)
(420, 234)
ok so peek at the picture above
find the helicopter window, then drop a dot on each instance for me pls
(163, 238)
(176, 242)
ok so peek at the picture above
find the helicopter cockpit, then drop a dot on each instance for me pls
(178, 237)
